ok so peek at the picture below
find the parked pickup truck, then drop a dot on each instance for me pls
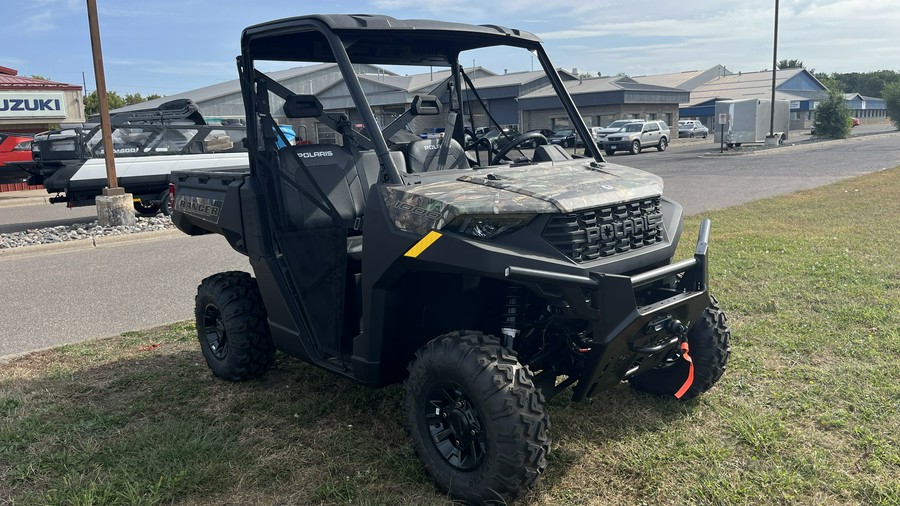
(486, 280)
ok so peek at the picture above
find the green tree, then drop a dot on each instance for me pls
(869, 84)
(92, 105)
(833, 115)
(891, 95)
(790, 64)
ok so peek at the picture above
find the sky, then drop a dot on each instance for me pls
(170, 46)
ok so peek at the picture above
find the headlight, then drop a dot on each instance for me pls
(488, 226)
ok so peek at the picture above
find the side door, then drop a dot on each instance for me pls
(650, 134)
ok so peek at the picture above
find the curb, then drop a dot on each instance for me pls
(24, 201)
(89, 243)
(797, 146)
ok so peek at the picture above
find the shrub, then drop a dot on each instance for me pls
(891, 94)
(833, 116)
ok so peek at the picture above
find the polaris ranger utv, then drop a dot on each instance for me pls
(486, 282)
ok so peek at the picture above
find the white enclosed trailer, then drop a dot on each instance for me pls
(748, 120)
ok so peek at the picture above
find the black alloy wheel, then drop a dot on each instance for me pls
(214, 330)
(455, 426)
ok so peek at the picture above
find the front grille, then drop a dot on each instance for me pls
(603, 232)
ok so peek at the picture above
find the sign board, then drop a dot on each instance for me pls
(795, 104)
(723, 118)
(30, 105)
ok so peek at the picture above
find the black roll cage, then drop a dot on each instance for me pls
(305, 39)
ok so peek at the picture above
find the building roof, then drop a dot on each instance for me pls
(687, 80)
(755, 85)
(508, 79)
(10, 80)
(227, 88)
(600, 85)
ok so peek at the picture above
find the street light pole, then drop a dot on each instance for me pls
(774, 67)
(100, 78)
(114, 206)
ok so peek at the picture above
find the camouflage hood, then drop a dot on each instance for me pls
(532, 189)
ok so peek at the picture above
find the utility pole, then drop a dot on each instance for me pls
(771, 138)
(114, 207)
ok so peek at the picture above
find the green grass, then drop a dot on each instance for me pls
(806, 414)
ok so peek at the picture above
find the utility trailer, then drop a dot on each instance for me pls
(486, 281)
(748, 121)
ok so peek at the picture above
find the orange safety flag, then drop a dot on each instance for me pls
(690, 379)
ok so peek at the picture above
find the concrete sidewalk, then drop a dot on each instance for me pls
(24, 198)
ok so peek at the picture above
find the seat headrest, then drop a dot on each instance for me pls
(424, 155)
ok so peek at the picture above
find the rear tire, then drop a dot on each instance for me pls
(476, 418)
(709, 346)
(145, 209)
(165, 203)
(232, 327)
(663, 144)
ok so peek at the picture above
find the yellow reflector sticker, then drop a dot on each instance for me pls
(423, 244)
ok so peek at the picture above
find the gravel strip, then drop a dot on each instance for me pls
(87, 230)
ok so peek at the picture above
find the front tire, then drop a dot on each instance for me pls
(476, 418)
(609, 152)
(709, 345)
(232, 327)
(635, 147)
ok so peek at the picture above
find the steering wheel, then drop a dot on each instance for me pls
(477, 142)
(517, 141)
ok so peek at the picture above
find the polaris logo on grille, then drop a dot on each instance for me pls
(315, 154)
(602, 232)
(626, 228)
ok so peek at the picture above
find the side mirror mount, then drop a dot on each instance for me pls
(425, 105)
(302, 106)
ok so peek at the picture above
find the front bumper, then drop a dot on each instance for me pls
(629, 338)
(620, 144)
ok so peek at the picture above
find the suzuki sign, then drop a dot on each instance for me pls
(32, 105)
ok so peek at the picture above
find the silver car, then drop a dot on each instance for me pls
(634, 137)
(692, 128)
(600, 134)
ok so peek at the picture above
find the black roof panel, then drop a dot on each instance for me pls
(375, 39)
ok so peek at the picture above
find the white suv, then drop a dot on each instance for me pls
(634, 137)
